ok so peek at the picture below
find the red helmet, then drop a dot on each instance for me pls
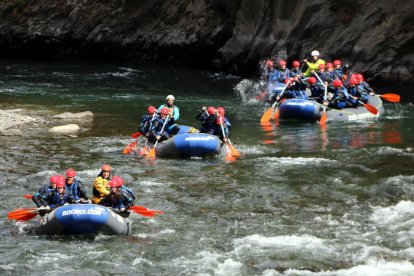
(269, 63)
(165, 111)
(151, 109)
(211, 110)
(329, 65)
(118, 179)
(53, 179)
(70, 172)
(114, 183)
(219, 120)
(353, 80)
(359, 77)
(221, 111)
(282, 62)
(337, 62)
(295, 63)
(106, 167)
(337, 83)
(321, 66)
(60, 183)
(312, 80)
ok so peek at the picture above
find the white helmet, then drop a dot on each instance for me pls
(170, 97)
(315, 53)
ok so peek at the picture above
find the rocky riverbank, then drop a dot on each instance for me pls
(23, 122)
(375, 37)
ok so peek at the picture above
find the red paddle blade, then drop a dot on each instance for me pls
(391, 97)
(27, 217)
(21, 213)
(136, 134)
(371, 109)
(28, 196)
(136, 207)
(131, 146)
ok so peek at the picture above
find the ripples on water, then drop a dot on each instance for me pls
(302, 201)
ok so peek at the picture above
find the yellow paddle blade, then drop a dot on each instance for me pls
(267, 115)
(323, 119)
(234, 151)
(151, 154)
(230, 157)
(276, 115)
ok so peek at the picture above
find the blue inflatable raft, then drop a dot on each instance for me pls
(189, 145)
(77, 219)
(307, 110)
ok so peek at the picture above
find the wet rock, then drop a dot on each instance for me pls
(79, 115)
(69, 129)
(12, 122)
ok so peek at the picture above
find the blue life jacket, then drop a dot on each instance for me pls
(55, 200)
(40, 197)
(75, 191)
(129, 194)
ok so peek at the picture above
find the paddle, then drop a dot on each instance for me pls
(23, 214)
(268, 113)
(28, 196)
(229, 154)
(394, 98)
(324, 116)
(132, 145)
(234, 151)
(143, 211)
(136, 134)
(369, 107)
(151, 153)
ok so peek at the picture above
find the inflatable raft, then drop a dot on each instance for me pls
(307, 110)
(76, 219)
(189, 145)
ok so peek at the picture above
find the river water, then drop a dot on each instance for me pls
(303, 200)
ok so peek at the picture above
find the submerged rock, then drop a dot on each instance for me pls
(79, 115)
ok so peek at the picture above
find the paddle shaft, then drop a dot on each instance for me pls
(162, 129)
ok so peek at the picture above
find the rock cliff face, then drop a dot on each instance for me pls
(233, 36)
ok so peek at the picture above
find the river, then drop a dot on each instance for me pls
(303, 200)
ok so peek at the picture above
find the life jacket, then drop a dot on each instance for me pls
(75, 190)
(129, 194)
(56, 199)
(146, 122)
(40, 197)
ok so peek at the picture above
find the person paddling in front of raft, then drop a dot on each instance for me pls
(41, 195)
(117, 198)
(207, 117)
(146, 120)
(222, 121)
(158, 131)
(340, 96)
(75, 188)
(100, 186)
(57, 197)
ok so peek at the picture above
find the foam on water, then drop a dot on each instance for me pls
(304, 244)
(295, 161)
